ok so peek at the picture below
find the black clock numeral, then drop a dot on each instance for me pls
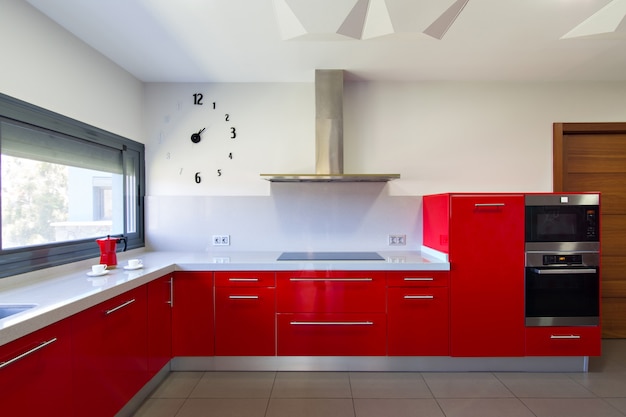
(213, 105)
(233, 133)
(197, 99)
(227, 117)
(198, 178)
(230, 155)
(219, 172)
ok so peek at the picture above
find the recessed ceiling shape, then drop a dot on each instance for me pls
(607, 23)
(349, 19)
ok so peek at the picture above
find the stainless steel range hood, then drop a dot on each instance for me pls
(329, 136)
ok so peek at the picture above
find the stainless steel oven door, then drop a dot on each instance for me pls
(563, 294)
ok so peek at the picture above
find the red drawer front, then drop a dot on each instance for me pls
(245, 322)
(331, 334)
(330, 292)
(245, 279)
(418, 278)
(418, 321)
(563, 341)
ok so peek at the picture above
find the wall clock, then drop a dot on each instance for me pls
(214, 134)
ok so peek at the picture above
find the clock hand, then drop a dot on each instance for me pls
(195, 137)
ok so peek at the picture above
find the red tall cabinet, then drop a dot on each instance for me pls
(483, 235)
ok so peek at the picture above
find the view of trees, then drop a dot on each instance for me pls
(34, 194)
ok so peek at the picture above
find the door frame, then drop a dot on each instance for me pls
(562, 129)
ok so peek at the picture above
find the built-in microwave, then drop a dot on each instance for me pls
(571, 221)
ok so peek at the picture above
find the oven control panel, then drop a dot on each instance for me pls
(562, 259)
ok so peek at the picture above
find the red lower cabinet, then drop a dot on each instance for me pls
(109, 353)
(192, 314)
(331, 334)
(563, 341)
(35, 373)
(159, 324)
(245, 321)
(418, 321)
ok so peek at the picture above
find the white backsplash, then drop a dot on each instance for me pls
(295, 217)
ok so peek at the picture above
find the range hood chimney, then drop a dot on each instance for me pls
(329, 136)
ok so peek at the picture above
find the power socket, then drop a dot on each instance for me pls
(397, 240)
(221, 240)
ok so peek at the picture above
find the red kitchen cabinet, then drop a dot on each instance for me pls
(563, 341)
(331, 334)
(330, 291)
(109, 353)
(487, 278)
(331, 313)
(418, 313)
(159, 323)
(35, 373)
(245, 311)
(192, 314)
(485, 238)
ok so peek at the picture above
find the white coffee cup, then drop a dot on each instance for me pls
(98, 269)
(134, 263)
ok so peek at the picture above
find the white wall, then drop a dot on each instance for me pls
(43, 64)
(440, 136)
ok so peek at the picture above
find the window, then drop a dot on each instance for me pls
(64, 184)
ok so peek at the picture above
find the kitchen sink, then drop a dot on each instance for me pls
(7, 310)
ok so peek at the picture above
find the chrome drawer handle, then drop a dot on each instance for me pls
(118, 307)
(419, 279)
(489, 205)
(332, 279)
(565, 336)
(243, 297)
(332, 323)
(564, 271)
(243, 279)
(25, 354)
(419, 297)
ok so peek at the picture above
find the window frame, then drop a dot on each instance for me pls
(27, 259)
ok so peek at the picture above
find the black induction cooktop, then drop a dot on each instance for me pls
(330, 256)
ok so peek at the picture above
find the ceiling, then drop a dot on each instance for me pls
(396, 40)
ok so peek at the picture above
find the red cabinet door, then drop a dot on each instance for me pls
(245, 321)
(563, 341)
(192, 314)
(159, 324)
(487, 275)
(331, 334)
(35, 373)
(109, 353)
(418, 321)
(330, 291)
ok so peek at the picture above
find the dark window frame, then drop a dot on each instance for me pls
(22, 260)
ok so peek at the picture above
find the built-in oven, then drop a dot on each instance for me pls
(562, 289)
(562, 222)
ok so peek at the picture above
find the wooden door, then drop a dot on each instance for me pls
(592, 157)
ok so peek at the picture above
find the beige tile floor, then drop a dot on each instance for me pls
(599, 393)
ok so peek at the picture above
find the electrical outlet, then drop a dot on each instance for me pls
(221, 240)
(397, 240)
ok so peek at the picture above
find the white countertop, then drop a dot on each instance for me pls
(66, 290)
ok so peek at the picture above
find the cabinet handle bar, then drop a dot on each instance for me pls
(419, 297)
(25, 354)
(118, 307)
(243, 279)
(419, 279)
(332, 323)
(489, 205)
(332, 279)
(565, 336)
(243, 297)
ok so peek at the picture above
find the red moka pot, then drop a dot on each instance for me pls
(108, 249)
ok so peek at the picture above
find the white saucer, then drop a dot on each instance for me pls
(132, 268)
(99, 274)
